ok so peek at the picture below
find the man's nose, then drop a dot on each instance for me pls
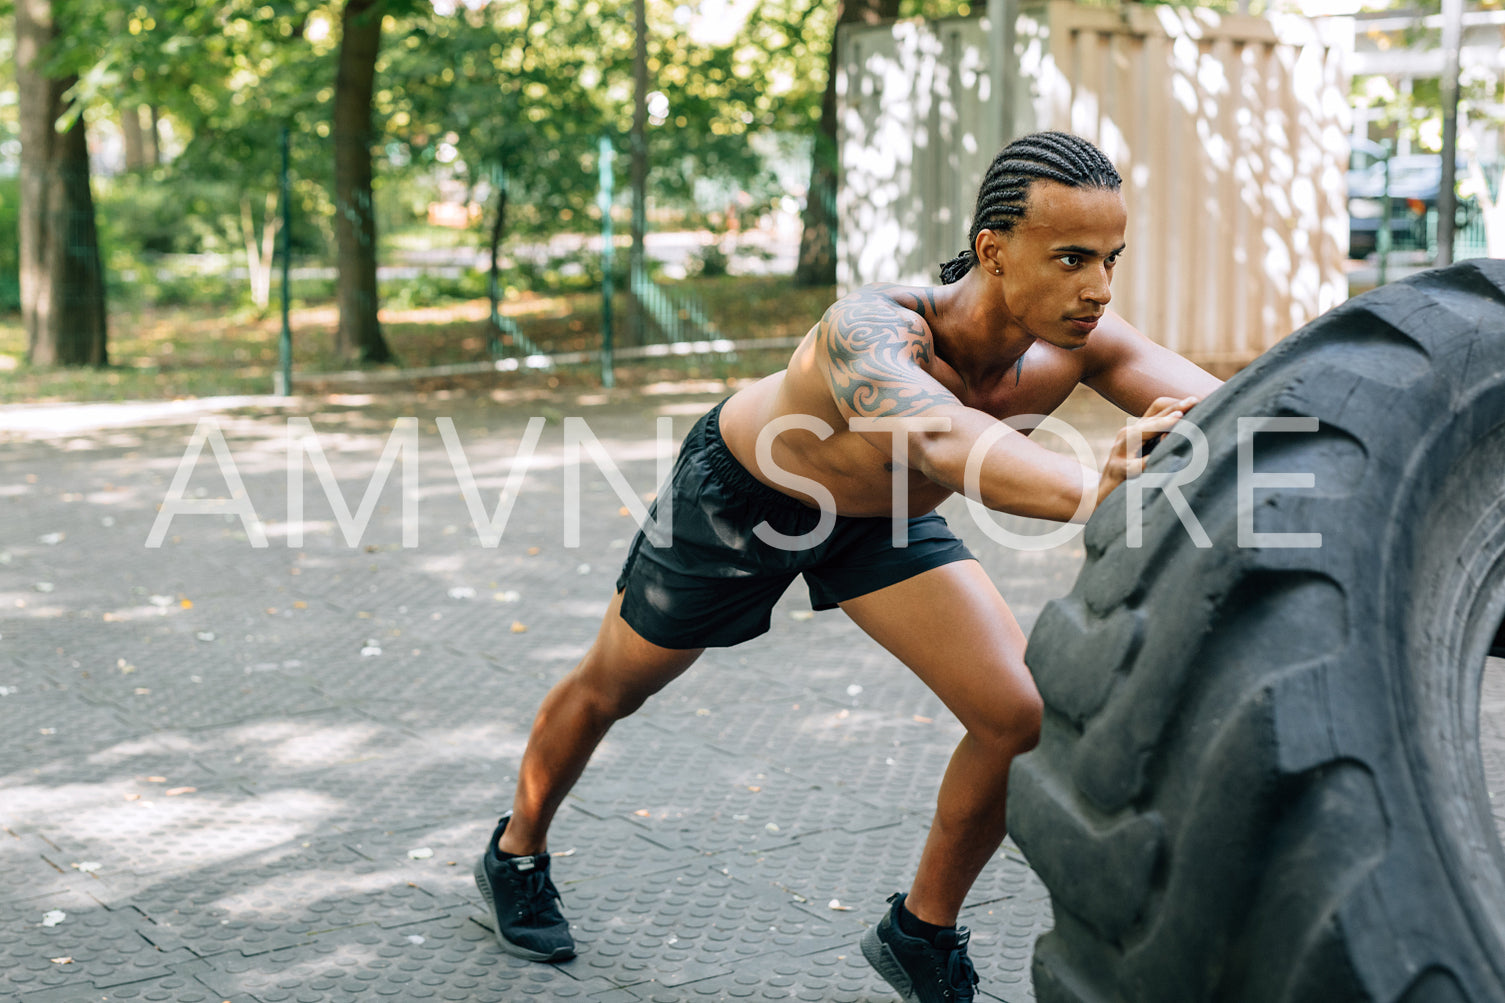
(1099, 290)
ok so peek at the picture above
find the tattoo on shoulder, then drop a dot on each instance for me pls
(876, 357)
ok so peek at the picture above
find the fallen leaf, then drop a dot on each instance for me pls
(181, 790)
(771, 827)
(518, 627)
(836, 905)
(142, 691)
(156, 780)
(186, 603)
(62, 961)
(300, 604)
(922, 719)
(624, 510)
(802, 614)
(87, 867)
(510, 595)
(755, 789)
(422, 853)
(642, 813)
(534, 551)
(53, 917)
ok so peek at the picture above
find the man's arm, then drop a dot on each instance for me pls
(875, 355)
(1131, 371)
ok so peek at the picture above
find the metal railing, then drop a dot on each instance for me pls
(680, 318)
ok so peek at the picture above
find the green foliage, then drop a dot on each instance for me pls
(430, 289)
(513, 94)
(709, 262)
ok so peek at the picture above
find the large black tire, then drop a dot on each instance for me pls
(1259, 777)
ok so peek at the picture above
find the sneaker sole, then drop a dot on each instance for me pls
(881, 957)
(484, 887)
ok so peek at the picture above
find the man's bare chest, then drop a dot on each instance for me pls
(1034, 386)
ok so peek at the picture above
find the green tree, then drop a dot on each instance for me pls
(359, 336)
(228, 77)
(62, 278)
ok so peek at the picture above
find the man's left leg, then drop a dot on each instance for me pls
(952, 628)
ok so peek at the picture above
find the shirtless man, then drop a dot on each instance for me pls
(786, 477)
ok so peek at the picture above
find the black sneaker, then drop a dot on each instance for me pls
(524, 903)
(919, 971)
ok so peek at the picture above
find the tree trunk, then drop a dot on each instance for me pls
(637, 258)
(151, 149)
(131, 133)
(260, 256)
(359, 337)
(817, 261)
(62, 278)
(494, 269)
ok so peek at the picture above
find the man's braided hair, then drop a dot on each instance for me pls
(1004, 193)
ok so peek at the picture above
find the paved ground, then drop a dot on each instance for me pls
(262, 774)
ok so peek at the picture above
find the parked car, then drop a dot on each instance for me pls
(1415, 180)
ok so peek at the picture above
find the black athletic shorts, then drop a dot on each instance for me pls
(715, 583)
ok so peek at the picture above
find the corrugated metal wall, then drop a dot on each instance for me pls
(1230, 133)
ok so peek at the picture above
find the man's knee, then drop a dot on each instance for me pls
(1012, 726)
(615, 684)
(603, 697)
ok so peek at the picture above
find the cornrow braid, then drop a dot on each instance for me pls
(1003, 196)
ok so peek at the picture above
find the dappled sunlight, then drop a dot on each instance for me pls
(168, 833)
(490, 742)
(280, 896)
(295, 745)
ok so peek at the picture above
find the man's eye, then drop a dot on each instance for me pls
(1071, 260)
(1112, 260)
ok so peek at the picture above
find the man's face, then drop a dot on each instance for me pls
(1058, 261)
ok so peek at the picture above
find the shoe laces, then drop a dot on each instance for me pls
(538, 891)
(960, 975)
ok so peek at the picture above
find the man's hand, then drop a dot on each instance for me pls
(1120, 466)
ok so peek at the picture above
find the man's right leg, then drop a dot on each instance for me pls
(618, 673)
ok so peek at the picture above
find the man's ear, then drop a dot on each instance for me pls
(989, 250)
